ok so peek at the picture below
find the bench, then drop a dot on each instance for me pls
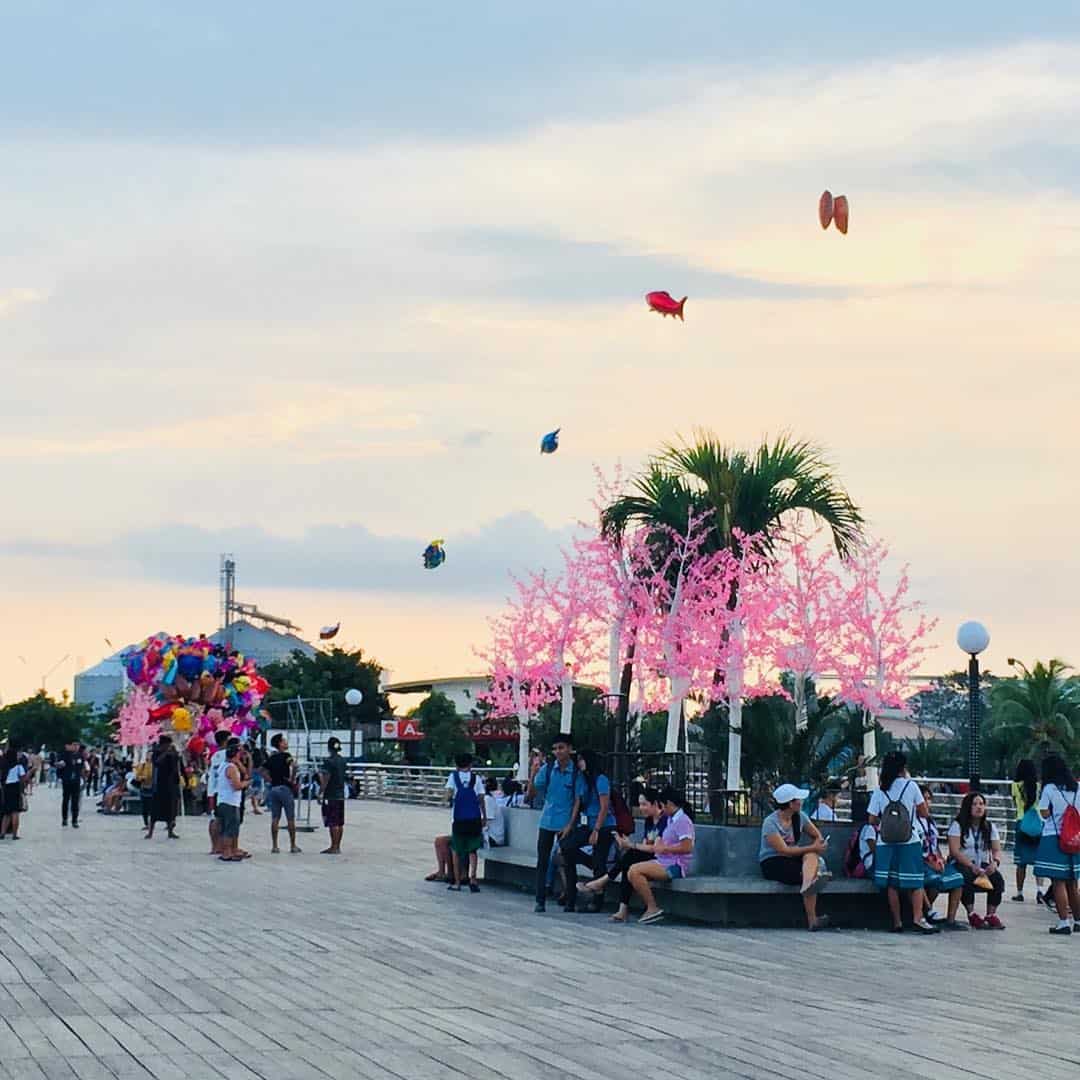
(725, 886)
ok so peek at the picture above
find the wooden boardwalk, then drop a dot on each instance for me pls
(126, 958)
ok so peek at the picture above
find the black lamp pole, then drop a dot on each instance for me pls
(973, 722)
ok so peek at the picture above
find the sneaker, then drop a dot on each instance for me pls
(1048, 901)
(935, 917)
(1062, 928)
(925, 928)
(540, 907)
(975, 921)
(473, 887)
(992, 922)
(954, 924)
(1019, 898)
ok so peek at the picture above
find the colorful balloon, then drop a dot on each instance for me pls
(434, 555)
(550, 442)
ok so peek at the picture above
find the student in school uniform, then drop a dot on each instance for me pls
(898, 861)
(826, 807)
(940, 876)
(1059, 792)
(1025, 793)
(975, 851)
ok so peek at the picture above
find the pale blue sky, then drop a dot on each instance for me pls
(313, 283)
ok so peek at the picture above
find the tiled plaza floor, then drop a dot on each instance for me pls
(121, 957)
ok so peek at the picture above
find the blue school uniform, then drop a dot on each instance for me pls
(899, 866)
(1050, 861)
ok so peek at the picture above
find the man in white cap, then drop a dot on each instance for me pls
(792, 848)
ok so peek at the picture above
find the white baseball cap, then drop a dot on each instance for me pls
(786, 792)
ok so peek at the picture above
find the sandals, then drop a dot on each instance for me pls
(651, 917)
(436, 877)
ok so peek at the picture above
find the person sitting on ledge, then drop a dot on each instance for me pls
(671, 854)
(631, 852)
(792, 848)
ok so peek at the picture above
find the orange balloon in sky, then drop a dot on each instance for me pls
(840, 213)
(825, 209)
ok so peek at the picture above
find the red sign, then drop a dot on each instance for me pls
(401, 730)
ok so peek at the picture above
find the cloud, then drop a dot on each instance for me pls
(13, 299)
(344, 557)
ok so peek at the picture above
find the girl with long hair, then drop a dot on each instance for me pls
(14, 774)
(598, 831)
(898, 862)
(1059, 792)
(671, 854)
(975, 850)
(1025, 793)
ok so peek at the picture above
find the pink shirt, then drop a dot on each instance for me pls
(680, 827)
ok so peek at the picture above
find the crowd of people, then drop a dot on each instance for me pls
(897, 845)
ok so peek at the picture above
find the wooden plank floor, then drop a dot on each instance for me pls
(121, 957)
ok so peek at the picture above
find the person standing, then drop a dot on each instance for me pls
(230, 797)
(14, 774)
(559, 786)
(213, 781)
(93, 774)
(332, 776)
(281, 773)
(1028, 830)
(1060, 791)
(598, 831)
(166, 800)
(71, 769)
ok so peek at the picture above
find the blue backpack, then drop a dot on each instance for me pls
(466, 801)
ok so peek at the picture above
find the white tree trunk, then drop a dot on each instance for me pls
(734, 700)
(615, 659)
(567, 714)
(869, 748)
(802, 717)
(523, 732)
(679, 688)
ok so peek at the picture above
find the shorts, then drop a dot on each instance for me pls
(333, 813)
(211, 803)
(674, 872)
(787, 869)
(229, 816)
(281, 800)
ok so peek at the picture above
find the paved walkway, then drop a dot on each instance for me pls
(121, 957)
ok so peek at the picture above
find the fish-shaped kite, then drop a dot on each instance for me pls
(833, 211)
(328, 632)
(550, 442)
(665, 304)
(434, 555)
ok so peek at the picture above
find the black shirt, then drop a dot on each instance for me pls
(279, 766)
(70, 764)
(334, 767)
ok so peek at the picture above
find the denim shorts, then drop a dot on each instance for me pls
(674, 872)
(281, 800)
(229, 816)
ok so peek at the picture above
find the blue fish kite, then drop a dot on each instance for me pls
(434, 555)
(550, 442)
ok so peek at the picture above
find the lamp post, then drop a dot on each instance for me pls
(973, 638)
(352, 699)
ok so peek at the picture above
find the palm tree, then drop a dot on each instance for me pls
(1040, 708)
(747, 493)
(751, 493)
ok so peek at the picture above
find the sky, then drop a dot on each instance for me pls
(308, 287)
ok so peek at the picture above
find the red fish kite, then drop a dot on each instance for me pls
(833, 211)
(665, 304)
(825, 209)
(328, 632)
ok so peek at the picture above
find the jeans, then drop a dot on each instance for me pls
(72, 795)
(573, 855)
(545, 840)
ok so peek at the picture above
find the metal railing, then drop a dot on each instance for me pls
(689, 772)
(422, 784)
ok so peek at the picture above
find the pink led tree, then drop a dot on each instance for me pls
(136, 729)
(881, 640)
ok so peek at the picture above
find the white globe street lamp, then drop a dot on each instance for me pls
(353, 697)
(973, 638)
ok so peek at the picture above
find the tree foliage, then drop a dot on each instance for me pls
(40, 721)
(444, 730)
(1039, 711)
(328, 675)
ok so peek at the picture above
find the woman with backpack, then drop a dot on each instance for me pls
(1029, 829)
(792, 848)
(598, 831)
(898, 853)
(465, 791)
(975, 851)
(1058, 857)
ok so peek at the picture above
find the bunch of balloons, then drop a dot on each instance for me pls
(196, 686)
